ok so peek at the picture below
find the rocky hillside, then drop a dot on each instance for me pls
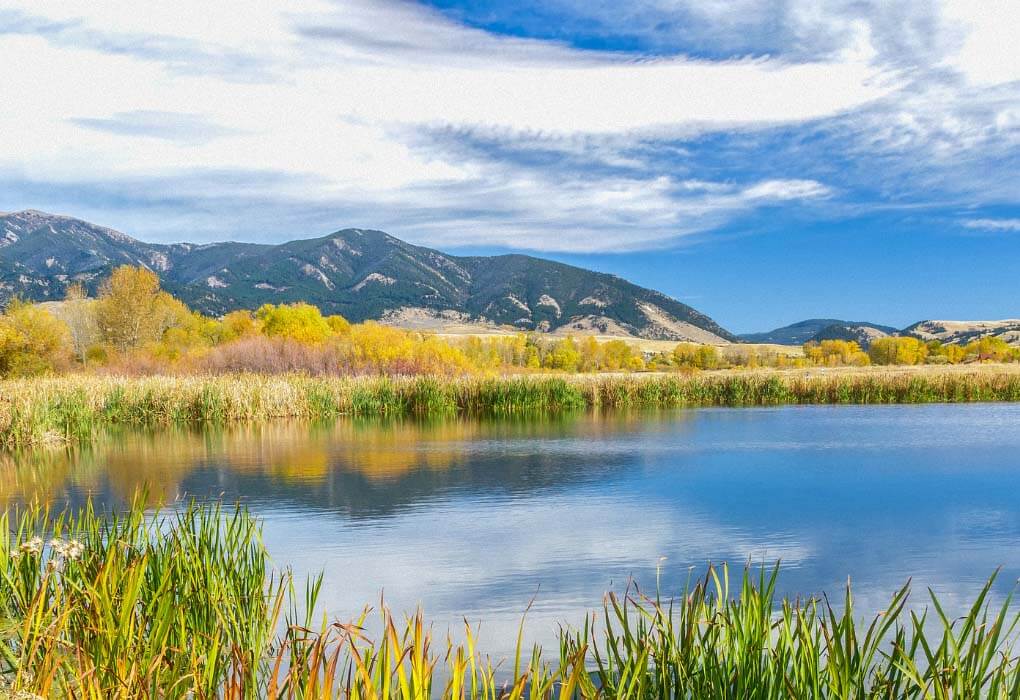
(965, 331)
(358, 273)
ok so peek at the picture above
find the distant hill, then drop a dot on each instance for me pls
(359, 273)
(861, 333)
(819, 329)
(965, 331)
(958, 332)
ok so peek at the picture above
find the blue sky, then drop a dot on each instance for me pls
(764, 162)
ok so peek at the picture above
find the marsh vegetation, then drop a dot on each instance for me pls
(187, 605)
(73, 408)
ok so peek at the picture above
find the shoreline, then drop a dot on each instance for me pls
(74, 408)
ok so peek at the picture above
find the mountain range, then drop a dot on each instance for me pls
(864, 332)
(358, 273)
(366, 274)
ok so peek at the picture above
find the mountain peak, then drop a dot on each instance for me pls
(39, 214)
(358, 273)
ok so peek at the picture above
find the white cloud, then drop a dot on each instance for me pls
(576, 215)
(468, 577)
(993, 224)
(989, 52)
(328, 106)
(781, 190)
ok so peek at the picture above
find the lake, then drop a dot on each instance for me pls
(475, 518)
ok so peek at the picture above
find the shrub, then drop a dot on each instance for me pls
(272, 355)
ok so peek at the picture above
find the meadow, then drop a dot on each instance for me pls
(75, 408)
(134, 605)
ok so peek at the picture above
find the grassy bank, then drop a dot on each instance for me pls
(131, 607)
(38, 411)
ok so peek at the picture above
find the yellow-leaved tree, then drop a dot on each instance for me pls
(132, 310)
(835, 353)
(563, 355)
(896, 350)
(32, 340)
(695, 355)
(238, 324)
(301, 322)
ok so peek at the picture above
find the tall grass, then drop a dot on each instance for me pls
(136, 606)
(36, 411)
(126, 606)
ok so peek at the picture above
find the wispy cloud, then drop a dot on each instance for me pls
(178, 54)
(1010, 225)
(449, 134)
(170, 126)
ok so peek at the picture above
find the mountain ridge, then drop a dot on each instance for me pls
(359, 273)
(811, 329)
(863, 332)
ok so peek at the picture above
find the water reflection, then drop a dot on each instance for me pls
(473, 517)
(360, 467)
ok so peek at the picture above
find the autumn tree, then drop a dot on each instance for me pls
(897, 350)
(338, 324)
(238, 324)
(563, 355)
(301, 322)
(133, 311)
(990, 348)
(694, 355)
(619, 354)
(951, 353)
(591, 356)
(32, 340)
(190, 333)
(835, 352)
(393, 350)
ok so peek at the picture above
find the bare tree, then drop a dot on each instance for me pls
(79, 313)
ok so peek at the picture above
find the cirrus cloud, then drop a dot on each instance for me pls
(993, 224)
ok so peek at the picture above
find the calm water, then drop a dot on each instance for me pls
(474, 518)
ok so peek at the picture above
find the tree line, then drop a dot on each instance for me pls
(134, 327)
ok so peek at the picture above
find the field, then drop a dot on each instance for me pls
(77, 407)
